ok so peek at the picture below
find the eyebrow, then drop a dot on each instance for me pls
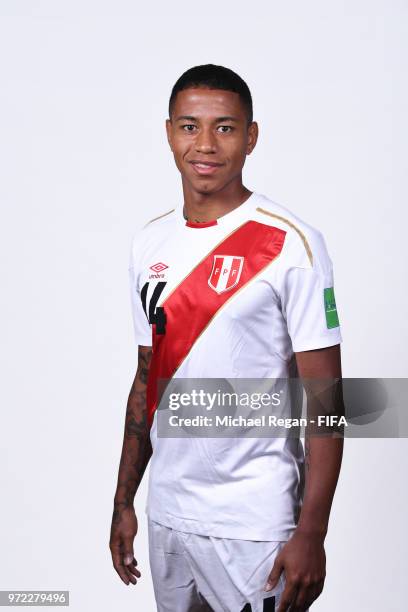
(217, 120)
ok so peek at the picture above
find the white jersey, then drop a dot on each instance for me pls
(236, 298)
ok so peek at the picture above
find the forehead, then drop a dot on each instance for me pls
(204, 102)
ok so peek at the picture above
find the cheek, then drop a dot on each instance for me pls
(181, 141)
(238, 157)
(236, 148)
(179, 152)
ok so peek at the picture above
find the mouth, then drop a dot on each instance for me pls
(205, 167)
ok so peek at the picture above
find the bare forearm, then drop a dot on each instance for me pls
(323, 456)
(136, 450)
(320, 370)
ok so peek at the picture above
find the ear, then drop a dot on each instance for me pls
(168, 131)
(252, 137)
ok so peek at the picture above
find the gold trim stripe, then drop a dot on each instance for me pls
(293, 226)
(160, 216)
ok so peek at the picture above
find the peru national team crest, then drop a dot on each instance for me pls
(226, 272)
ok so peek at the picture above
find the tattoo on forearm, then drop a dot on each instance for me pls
(144, 365)
(136, 450)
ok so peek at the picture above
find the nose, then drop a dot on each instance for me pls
(205, 141)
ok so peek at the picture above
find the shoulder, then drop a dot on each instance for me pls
(301, 237)
(151, 232)
(160, 220)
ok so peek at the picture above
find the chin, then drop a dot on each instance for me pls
(204, 186)
(206, 189)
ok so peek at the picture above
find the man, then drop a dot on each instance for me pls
(226, 284)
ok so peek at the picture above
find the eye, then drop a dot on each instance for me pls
(225, 129)
(187, 126)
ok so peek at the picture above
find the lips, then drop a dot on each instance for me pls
(206, 167)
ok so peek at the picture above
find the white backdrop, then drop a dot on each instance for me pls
(84, 87)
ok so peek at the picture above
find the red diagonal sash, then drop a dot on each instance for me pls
(193, 304)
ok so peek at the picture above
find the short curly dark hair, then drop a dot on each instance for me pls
(212, 76)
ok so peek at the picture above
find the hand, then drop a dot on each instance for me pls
(304, 561)
(123, 532)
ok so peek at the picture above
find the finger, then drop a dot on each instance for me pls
(274, 575)
(126, 555)
(304, 595)
(117, 564)
(133, 569)
(316, 591)
(307, 596)
(288, 597)
(127, 548)
(130, 576)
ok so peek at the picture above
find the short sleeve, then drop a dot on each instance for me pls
(308, 301)
(141, 325)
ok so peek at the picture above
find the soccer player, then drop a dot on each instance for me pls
(226, 284)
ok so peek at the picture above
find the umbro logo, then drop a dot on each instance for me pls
(158, 268)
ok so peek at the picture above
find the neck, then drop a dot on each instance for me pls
(201, 207)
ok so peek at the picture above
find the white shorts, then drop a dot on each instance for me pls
(196, 573)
